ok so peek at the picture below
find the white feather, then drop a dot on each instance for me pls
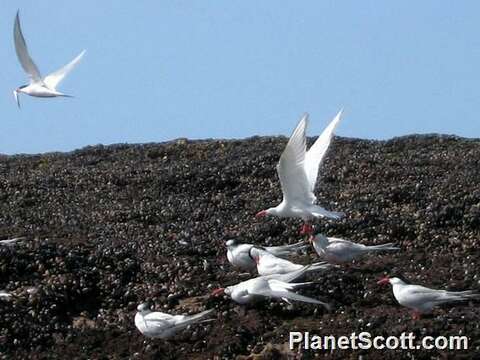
(291, 169)
(297, 170)
(22, 53)
(52, 80)
(315, 155)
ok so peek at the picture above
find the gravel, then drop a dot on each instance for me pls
(108, 227)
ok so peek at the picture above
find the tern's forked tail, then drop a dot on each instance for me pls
(17, 99)
(463, 295)
(388, 246)
(286, 250)
(190, 319)
(283, 290)
(320, 266)
(319, 211)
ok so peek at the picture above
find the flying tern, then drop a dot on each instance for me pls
(298, 172)
(39, 86)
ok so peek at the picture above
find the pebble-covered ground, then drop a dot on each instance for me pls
(108, 227)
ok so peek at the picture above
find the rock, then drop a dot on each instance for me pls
(109, 227)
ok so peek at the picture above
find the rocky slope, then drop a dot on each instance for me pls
(108, 227)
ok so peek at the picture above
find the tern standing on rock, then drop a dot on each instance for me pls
(422, 299)
(268, 264)
(161, 325)
(38, 86)
(298, 172)
(239, 254)
(338, 251)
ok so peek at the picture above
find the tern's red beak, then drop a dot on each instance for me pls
(261, 214)
(383, 281)
(218, 291)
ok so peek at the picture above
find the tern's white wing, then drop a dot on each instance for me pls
(291, 170)
(158, 323)
(185, 320)
(280, 290)
(285, 250)
(417, 296)
(22, 53)
(316, 154)
(332, 240)
(159, 317)
(291, 276)
(275, 265)
(52, 80)
(421, 294)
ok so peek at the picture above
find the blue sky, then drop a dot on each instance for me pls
(158, 70)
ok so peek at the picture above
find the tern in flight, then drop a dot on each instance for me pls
(298, 172)
(39, 86)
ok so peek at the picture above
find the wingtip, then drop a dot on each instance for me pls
(328, 307)
(17, 20)
(80, 56)
(304, 118)
(203, 314)
(340, 113)
(338, 215)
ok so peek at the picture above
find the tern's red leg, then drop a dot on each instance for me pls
(416, 315)
(306, 229)
(298, 355)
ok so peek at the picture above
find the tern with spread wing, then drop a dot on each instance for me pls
(268, 264)
(39, 86)
(338, 251)
(277, 287)
(162, 325)
(421, 299)
(298, 172)
(239, 254)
